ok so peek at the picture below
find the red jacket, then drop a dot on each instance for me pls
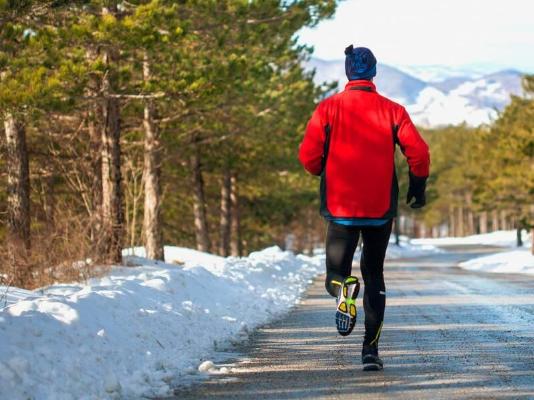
(350, 141)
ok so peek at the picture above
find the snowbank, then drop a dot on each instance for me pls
(130, 334)
(137, 331)
(498, 238)
(518, 261)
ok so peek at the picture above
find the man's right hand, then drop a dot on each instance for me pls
(416, 190)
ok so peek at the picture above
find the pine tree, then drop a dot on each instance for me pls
(27, 86)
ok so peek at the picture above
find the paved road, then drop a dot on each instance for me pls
(448, 334)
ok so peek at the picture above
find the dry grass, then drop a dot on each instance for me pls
(62, 252)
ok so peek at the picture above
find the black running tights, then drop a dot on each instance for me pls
(341, 242)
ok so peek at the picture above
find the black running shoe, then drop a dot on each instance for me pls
(370, 359)
(346, 305)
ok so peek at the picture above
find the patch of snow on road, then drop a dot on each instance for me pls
(517, 262)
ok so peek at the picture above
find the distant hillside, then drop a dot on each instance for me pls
(449, 98)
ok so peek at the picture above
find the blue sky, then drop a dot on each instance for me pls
(484, 33)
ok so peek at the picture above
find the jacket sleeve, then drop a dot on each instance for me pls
(413, 146)
(312, 146)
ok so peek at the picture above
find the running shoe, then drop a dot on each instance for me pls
(346, 305)
(370, 359)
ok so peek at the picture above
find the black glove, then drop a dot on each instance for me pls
(417, 189)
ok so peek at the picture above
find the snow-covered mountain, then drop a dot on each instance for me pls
(437, 73)
(438, 96)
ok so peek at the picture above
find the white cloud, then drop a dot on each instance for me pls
(423, 32)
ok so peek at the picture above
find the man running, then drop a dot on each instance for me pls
(350, 142)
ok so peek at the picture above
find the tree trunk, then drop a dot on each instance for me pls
(133, 224)
(225, 222)
(133, 195)
(460, 222)
(151, 178)
(95, 149)
(199, 203)
(503, 216)
(94, 120)
(422, 230)
(112, 196)
(470, 217)
(18, 193)
(300, 240)
(310, 239)
(235, 237)
(494, 221)
(416, 229)
(47, 199)
(470, 222)
(452, 222)
(519, 239)
(483, 222)
(405, 225)
(397, 231)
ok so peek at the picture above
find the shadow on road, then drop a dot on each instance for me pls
(448, 334)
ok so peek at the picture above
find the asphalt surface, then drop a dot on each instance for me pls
(448, 334)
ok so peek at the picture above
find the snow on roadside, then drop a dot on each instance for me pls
(137, 331)
(131, 333)
(498, 238)
(182, 256)
(516, 261)
(519, 260)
